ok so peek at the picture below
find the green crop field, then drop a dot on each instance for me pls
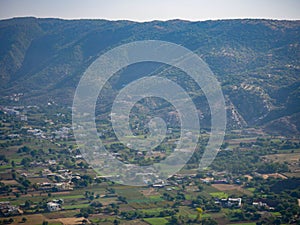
(156, 221)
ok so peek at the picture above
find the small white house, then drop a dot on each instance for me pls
(51, 206)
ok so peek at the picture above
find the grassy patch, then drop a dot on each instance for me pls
(219, 194)
(152, 211)
(4, 167)
(72, 196)
(209, 188)
(156, 221)
(243, 223)
(78, 206)
(155, 197)
(250, 189)
(277, 214)
(188, 197)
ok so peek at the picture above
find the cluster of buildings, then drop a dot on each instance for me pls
(20, 113)
(15, 97)
(61, 186)
(36, 132)
(17, 111)
(65, 180)
(229, 202)
(6, 209)
(61, 133)
(62, 179)
(264, 204)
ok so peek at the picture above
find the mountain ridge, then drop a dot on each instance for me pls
(256, 61)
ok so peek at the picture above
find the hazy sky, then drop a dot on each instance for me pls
(142, 10)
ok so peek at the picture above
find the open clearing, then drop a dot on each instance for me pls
(9, 182)
(149, 192)
(219, 194)
(290, 157)
(228, 187)
(231, 187)
(156, 221)
(34, 219)
(274, 175)
(134, 222)
(70, 220)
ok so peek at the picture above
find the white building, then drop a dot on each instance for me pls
(51, 206)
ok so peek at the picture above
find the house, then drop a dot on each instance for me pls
(52, 206)
(52, 162)
(158, 185)
(221, 181)
(63, 186)
(259, 204)
(230, 202)
(207, 180)
(235, 202)
(44, 186)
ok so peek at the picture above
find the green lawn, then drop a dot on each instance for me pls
(156, 221)
(219, 194)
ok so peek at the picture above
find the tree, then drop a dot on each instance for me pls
(24, 149)
(27, 204)
(24, 219)
(96, 204)
(200, 187)
(209, 221)
(122, 199)
(200, 212)
(3, 157)
(25, 162)
(26, 183)
(116, 222)
(111, 190)
(17, 194)
(174, 220)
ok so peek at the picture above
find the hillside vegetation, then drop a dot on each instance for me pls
(256, 61)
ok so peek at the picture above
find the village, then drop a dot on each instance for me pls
(44, 179)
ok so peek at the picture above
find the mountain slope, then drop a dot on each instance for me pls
(256, 61)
